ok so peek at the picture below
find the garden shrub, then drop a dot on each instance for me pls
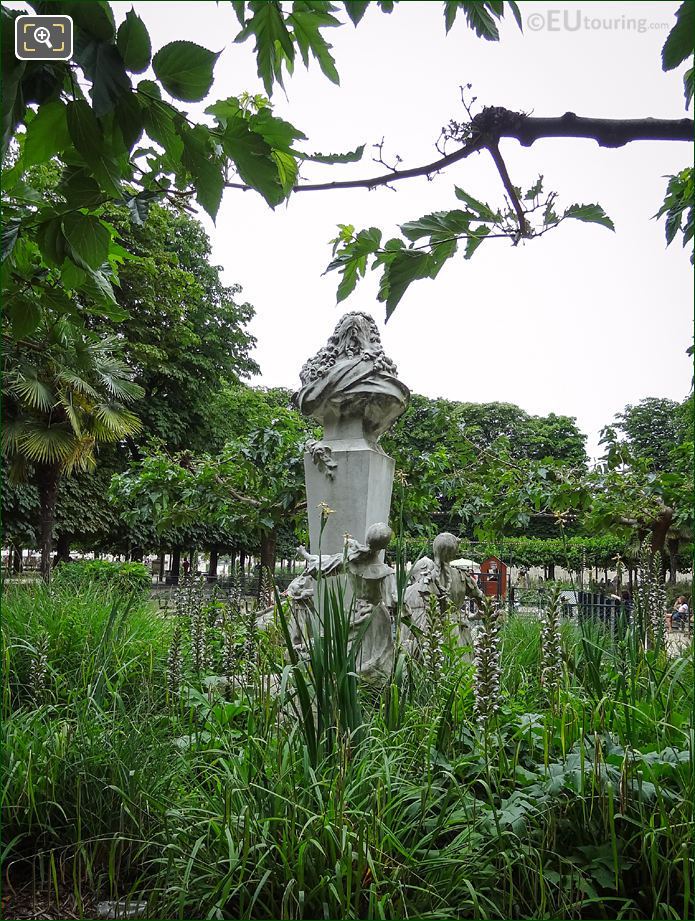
(121, 577)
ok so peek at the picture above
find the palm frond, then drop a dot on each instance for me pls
(82, 456)
(34, 392)
(46, 444)
(78, 383)
(11, 432)
(116, 420)
(72, 414)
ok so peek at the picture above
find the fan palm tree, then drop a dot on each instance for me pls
(65, 391)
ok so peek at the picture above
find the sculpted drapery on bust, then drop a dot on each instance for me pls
(350, 382)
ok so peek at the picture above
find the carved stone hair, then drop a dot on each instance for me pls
(354, 333)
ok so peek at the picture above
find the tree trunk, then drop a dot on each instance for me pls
(242, 560)
(47, 478)
(175, 564)
(267, 571)
(660, 529)
(16, 559)
(137, 554)
(212, 568)
(232, 560)
(551, 572)
(162, 563)
(673, 543)
(63, 548)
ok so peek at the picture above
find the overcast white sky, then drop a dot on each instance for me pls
(580, 322)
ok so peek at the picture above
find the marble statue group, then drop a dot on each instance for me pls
(351, 387)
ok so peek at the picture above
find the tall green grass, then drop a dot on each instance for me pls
(309, 796)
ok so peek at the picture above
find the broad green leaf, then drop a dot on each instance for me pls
(139, 205)
(287, 170)
(97, 288)
(483, 211)
(474, 241)
(280, 134)
(352, 156)
(149, 89)
(134, 43)
(10, 232)
(680, 42)
(593, 214)
(84, 130)
(254, 161)
(130, 117)
(102, 63)
(273, 41)
(185, 70)
(199, 160)
(95, 18)
(352, 260)
(480, 18)
(306, 23)
(24, 314)
(49, 236)
(80, 189)
(439, 225)
(87, 238)
(159, 124)
(689, 86)
(356, 9)
(47, 134)
(405, 267)
(13, 104)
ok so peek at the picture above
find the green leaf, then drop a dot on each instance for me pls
(97, 287)
(159, 124)
(405, 267)
(84, 130)
(479, 18)
(593, 214)
(352, 260)
(185, 70)
(130, 118)
(689, 86)
(24, 314)
(680, 43)
(306, 23)
(88, 240)
(483, 211)
(80, 189)
(199, 160)
(134, 43)
(139, 205)
(253, 158)
(47, 134)
(10, 232)
(474, 241)
(49, 236)
(439, 225)
(95, 18)
(352, 156)
(356, 9)
(273, 41)
(280, 134)
(102, 63)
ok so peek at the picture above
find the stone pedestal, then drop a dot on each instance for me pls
(359, 492)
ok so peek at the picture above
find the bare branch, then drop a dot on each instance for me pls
(494, 123)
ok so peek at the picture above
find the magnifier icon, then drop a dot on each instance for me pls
(43, 36)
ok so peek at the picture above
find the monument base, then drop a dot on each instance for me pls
(359, 492)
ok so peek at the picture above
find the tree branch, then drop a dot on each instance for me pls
(509, 188)
(495, 123)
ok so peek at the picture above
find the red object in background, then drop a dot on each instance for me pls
(493, 577)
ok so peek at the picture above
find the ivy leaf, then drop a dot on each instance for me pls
(352, 156)
(47, 134)
(134, 43)
(356, 10)
(87, 239)
(680, 42)
(185, 70)
(593, 214)
(306, 23)
(268, 26)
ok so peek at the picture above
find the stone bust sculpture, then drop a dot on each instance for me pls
(350, 386)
